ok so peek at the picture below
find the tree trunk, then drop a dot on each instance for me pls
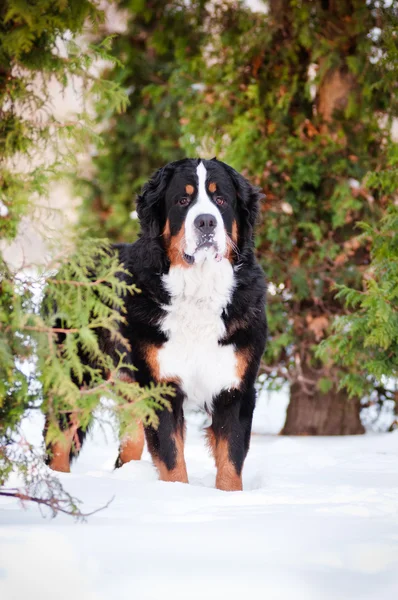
(334, 91)
(315, 413)
(311, 412)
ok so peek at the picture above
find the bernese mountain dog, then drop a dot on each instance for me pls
(199, 321)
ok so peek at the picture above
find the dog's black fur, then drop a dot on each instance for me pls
(162, 216)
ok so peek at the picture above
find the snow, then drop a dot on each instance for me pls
(318, 518)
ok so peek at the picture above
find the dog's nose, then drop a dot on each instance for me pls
(205, 223)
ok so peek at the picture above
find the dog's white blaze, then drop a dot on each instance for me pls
(194, 327)
(203, 205)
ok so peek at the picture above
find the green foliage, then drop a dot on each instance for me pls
(368, 335)
(302, 99)
(29, 38)
(75, 309)
(146, 136)
(37, 54)
(42, 341)
(39, 48)
(14, 384)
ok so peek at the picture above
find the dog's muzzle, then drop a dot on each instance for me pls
(205, 228)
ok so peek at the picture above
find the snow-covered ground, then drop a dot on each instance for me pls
(317, 520)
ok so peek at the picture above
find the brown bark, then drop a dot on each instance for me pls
(338, 82)
(311, 412)
(334, 91)
(279, 9)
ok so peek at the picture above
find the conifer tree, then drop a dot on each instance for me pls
(368, 335)
(39, 44)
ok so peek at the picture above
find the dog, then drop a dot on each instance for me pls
(199, 320)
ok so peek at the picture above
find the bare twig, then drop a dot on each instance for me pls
(55, 504)
(277, 371)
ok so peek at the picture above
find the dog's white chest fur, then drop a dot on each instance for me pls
(194, 327)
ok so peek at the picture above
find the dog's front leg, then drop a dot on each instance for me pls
(229, 436)
(166, 443)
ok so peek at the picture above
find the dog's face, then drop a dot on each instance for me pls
(201, 212)
(202, 209)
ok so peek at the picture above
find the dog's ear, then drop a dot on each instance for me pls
(150, 203)
(249, 198)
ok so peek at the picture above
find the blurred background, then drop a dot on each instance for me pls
(300, 97)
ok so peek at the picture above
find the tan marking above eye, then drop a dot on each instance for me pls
(212, 187)
(189, 189)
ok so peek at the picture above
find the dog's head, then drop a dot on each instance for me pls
(199, 209)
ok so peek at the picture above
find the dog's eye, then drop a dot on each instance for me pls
(220, 201)
(184, 201)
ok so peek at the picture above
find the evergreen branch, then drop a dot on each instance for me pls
(79, 283)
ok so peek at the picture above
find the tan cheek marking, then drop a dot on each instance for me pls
(166, 230)
(234, 238)
(212, 187)
(174, 245)
(175, 250)
(189, 189)
(179, 473)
